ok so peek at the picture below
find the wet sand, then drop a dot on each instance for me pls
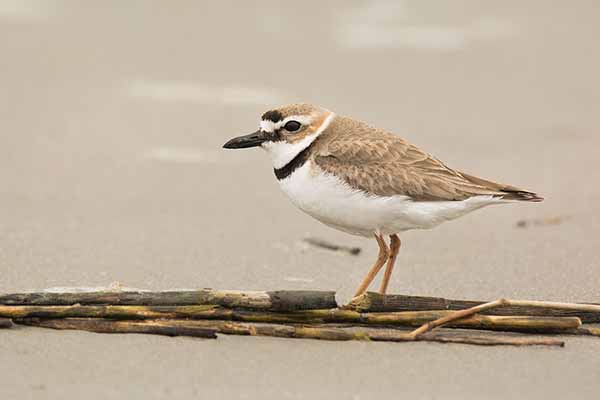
(112, 121)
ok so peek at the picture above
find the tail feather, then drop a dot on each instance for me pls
(507, 192)
(521, 195)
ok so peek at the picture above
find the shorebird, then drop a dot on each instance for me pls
(366, 181)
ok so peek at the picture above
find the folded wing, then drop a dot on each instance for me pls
(383, 164)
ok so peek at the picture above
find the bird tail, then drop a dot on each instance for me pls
(522, 195)
(506, 192)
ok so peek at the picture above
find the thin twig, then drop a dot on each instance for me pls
(332, 246)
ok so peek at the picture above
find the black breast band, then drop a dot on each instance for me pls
(297, 162)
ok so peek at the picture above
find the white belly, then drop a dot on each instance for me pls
(334, 203)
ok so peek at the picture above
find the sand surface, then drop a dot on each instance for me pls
(111, 121)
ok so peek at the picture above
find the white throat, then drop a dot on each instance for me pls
(283, 152)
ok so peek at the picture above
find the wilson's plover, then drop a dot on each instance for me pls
(366, 181)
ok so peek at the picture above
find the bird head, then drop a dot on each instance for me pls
(285, 131)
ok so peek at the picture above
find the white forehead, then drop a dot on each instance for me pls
(270, 126)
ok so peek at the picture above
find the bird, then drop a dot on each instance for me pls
(366, 181)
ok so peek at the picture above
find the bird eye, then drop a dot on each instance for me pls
(292, 126)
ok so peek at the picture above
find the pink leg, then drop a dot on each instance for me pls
(382, 257)
(394, 249)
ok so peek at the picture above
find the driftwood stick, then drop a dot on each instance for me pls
(589, 330)
(492, 340)
(456, 316)
(375, 302)
(182, 327)
(477, 321)
(5, 323)
(280, 300)
(407, 318)
(111, 326)
(113, 312)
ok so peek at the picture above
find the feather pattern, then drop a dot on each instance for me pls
(383, 164)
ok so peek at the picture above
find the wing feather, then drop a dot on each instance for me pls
(380, 163)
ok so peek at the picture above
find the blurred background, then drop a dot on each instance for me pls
(112, 117)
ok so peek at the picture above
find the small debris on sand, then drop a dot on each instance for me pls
(332, 246)
(527, 223)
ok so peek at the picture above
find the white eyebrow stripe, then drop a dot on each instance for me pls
(303, 119)
(270, 126)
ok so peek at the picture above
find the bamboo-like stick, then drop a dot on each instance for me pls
(485, 322)
(113, 312)
(457, 316)
(493, 341)
(5, 323)
(375, 302)
(285, 331)
(406, 318)
(113, 326)
(589, 330)
(280, 300)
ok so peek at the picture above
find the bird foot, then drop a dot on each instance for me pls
(351, 305)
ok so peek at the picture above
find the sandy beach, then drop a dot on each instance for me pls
(112, 120)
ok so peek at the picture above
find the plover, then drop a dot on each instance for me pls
(366, 181)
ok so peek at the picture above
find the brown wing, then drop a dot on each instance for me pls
(384, 164)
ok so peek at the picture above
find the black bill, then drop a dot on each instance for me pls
(251, 140)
